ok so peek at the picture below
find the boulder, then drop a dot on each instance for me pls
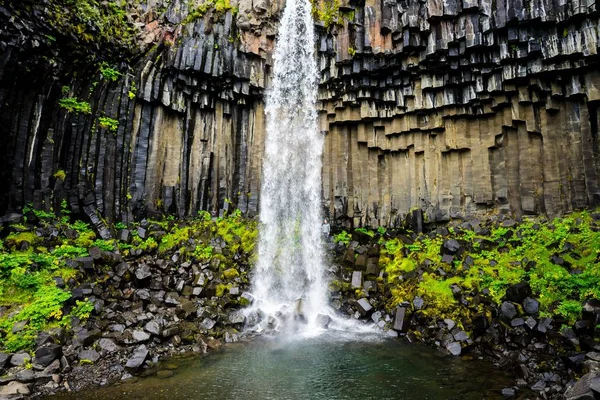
(323, 321)
(508, 310)
(46, 354)
(152, 327)
(454, 348)
(139, 336)
(89, 355)
(531, 305)
(401, 320)
(356, 279)
(4, 359)
(450, 247)
(107, 345)
(143, 273)
(363, 306)
(19, 359)
(587, 388)
(137, 359)
(519, 292)
(14, 389)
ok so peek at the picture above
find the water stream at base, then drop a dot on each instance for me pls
(288, 282)
(332, 366)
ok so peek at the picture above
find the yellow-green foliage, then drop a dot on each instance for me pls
(220, 7)
(203, 252)
(230, 274)
(92, 22)
(328, 12)
(60, 174)
(176, 238)
(27, 285)
(520, 253)
(108, 123)
(342, 237)
(220, 289)
(72, 104)
(15, 239)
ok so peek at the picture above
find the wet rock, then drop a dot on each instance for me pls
(19, 326)
(460, 335)
(108, 345)
(143, 273)
(89, 355)
(544, 324)
(418, 303)
(356, 279)
(531, 305)
(447, 258)
(4, 359)
(454, 348)
(299, 311)
(509, 393)
(152, 327)
(139, 336)
(138, 358)
(364, 307)
(26, 376)
(214, 344)
(519, 292)
(508, 310)
(207, 323)
(84, 337)
(237, 318)
(323, 321)
(19, 359)
(13, 389)
(592, 306)
(451, 246)
(587, 388)
(172, 298)
(46, 354)
(538, 386)
(53, 368)
(400, 320)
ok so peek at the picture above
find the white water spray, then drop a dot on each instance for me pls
(290, 252)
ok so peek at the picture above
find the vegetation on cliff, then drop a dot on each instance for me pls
(42, 262)
(456, 272)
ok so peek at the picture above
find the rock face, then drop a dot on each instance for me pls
(455, 108)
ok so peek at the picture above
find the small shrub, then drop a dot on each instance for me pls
(71, 104)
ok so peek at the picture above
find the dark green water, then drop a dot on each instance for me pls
(325, 367)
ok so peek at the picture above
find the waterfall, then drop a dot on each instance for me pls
(290, 262)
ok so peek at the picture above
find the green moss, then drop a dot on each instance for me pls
(508, 255)
(220, 290)
(173, 239)
(220, 7)
(16, 239)
(108, 73)
(108, 123)
(230, 274)
(60, 174)
(328, 12)
(342, 237)
(72, 104)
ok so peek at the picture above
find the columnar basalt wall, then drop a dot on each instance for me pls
(461, 108)
(457, 108)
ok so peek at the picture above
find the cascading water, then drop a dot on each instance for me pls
(289, 276)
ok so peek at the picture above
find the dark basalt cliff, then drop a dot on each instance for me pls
(455, 107)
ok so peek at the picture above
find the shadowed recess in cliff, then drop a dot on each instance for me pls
(290, 260)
